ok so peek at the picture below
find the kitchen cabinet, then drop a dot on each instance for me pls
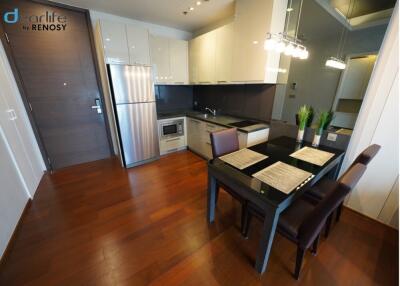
(138, 45)
(235, 52)
(194, 59)
(178, 50)
(252, 138)
(206, 58)
(115, 42)
(170, 60)
(159, 50)
(194, 134)
(254, 19)
(198, 136)
(223, 53)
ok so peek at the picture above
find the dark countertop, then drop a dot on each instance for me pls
(223, 120)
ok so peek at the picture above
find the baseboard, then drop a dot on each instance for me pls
(11, 241)
(370, 218)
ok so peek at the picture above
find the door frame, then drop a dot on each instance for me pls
(21, 87)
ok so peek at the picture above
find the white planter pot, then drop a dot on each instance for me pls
(300, 135)
(316, 140)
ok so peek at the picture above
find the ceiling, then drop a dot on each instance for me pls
(361, 7)
(164, 12)
(359, 14)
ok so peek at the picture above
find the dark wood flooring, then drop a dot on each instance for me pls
(99, 224)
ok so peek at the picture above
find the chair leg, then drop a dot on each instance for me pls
(314, 248)
(328, 225)
(299, 261)
(339, 212)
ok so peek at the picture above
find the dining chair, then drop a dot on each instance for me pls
(325, 186)
(303, 221)
(224, 142)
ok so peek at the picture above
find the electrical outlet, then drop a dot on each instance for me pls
(332, 137)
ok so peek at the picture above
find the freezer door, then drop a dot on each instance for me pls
(131, 84)
(138, 131)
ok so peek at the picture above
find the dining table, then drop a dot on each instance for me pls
(272, 201)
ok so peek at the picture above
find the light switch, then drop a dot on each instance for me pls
(332, 137)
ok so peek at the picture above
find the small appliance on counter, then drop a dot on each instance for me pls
(172, 134)
(135, 113)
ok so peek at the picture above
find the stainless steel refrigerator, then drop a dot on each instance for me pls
(134, 106)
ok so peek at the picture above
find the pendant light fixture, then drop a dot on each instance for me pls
(283, 43)
(337, 62)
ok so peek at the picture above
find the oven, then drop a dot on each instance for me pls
(172, 128)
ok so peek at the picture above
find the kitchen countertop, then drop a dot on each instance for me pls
(223, 120)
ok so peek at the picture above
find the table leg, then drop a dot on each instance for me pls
(268, 233)
(211, 195)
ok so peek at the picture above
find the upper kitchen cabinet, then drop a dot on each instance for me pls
(178, 50)
(138, 45)
(170, 60)
(194, 59)
(223, 53)
(253, 20)
(159, 51)
(115, 42)
(206, 57)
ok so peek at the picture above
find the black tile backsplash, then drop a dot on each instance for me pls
(174, 97)
(252, 101)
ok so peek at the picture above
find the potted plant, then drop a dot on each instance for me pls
(303, 115)
(324, 120)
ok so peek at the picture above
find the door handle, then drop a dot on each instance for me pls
(11, 114)
(97, 106)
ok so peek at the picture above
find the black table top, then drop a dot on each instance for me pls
(277, 149)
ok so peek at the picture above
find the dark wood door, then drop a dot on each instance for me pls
(58, 76)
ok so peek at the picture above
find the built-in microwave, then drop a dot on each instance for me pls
(173, 128)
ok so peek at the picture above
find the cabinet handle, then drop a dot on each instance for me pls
(204, 81)
(179, 82)
(208, 143)
(173, 139)
(222, 81)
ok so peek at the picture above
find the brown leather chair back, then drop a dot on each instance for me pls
(224, 142)
(367, 155)
(314, 223)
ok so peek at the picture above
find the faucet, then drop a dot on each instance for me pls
(212, 111)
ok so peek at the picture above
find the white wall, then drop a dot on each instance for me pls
(378, 122)
(154, 29)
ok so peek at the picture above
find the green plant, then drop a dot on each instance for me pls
(303, 115)
(324, 120)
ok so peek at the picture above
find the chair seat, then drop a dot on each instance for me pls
(321, 189)
(292, 218)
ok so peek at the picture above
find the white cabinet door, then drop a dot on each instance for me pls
(223, 53)
(138, 44)
(12, 195)
(178, 51)
(115, 42)
(206, 61)
(194, 131)
(159, 52)
(194, 59)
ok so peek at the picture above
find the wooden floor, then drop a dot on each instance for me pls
(98, 224)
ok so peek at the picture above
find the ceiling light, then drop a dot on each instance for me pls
(108, 39)
(255, 42)
(198, 3)
(335, 63)
(191, 8)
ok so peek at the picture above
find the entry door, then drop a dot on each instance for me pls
(58, 78)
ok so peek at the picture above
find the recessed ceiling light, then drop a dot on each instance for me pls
(191, 8)
(289, 9)
(198, 3)
(108, 39)
(255, 42)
